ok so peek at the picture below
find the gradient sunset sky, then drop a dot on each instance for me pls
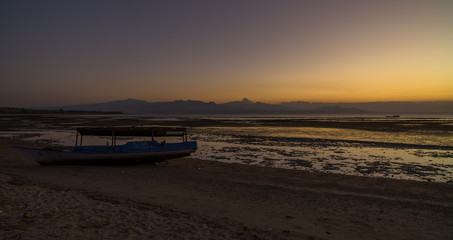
(76, 52)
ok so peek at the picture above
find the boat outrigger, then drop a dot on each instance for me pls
(131, 152)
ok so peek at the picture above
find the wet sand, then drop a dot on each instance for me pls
(193, 199)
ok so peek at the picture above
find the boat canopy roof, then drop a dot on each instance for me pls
(133, 131)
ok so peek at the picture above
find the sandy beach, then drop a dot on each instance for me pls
(222, 120)
(193, 199)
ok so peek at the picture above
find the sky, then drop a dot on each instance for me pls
(55, 53)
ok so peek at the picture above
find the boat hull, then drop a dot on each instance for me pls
(54, 157)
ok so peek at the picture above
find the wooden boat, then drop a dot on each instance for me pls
(131, 152)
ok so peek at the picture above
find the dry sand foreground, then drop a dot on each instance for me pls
(193, 199)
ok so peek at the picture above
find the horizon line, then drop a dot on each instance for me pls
(204, 101)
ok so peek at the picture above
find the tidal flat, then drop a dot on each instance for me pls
(239, 192)
(414, 148)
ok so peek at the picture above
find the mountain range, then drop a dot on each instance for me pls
(246, 106)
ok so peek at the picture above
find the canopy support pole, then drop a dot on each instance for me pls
(113, 136)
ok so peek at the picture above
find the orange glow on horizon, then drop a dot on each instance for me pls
(271, 52)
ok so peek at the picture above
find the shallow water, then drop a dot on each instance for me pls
(411, 155)
(414, 152)
(423, 137)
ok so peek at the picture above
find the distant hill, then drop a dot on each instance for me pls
(133, 106)
(432, 107)
(246, 106)
(336, 110)
(183, 107)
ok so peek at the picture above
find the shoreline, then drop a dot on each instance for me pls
(215, 200)
(416, 149)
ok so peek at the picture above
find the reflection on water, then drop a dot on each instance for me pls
(385, 154)
(424, 154)
(442, 138)
(60, 137)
